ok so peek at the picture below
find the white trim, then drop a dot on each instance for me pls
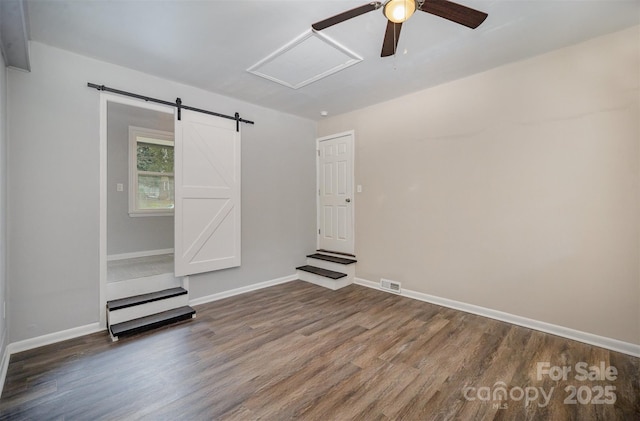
(133, 102)
(102, 314)
(105, 98)
(4, 367)
(136, 254)
(565, 332)
(75, 332)
(242, 290)
(4, 362)
(55, 337)
(351, 133)
(353, 59)
(185, 283)
(43, 340)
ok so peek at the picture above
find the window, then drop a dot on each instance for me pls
(151, 187)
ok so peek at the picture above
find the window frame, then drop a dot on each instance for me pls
(163, 137)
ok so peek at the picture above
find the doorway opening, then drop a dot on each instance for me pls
(136, 196)
(335, 210)
(140, 192)
(180, 211)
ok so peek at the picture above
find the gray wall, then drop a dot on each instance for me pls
(124, 233)
(3, 204)
(53, 172)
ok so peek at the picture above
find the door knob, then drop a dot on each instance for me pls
(348, 200)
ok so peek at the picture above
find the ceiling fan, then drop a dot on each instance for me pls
(398, 11)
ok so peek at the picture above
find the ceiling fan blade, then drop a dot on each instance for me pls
(454, 12)
(341, 17)
(391, 37)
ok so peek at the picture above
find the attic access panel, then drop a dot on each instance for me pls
(310, 57)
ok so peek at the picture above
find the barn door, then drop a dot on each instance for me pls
(207, 193)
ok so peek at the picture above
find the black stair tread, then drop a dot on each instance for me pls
(334, 259)
(336, 252)
(144, 298)
(151, 322)
(322, 272)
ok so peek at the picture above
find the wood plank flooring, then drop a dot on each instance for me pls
(299, 351)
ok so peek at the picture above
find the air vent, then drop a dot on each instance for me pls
(391, 286)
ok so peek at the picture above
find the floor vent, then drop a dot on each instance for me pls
(391, 286)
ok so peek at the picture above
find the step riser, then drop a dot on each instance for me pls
(350, 270)
(139, 286)
(324, 282)
(334, 259)
(115, 338)
(141, 310)
(150, 322)
(343, 256)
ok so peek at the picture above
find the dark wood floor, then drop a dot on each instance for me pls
(298, 351)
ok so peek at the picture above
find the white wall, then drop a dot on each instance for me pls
(54, 192)
(124, 233)
(3, 205)
(517, 189)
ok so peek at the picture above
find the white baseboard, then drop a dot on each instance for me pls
(75, 332)
(51, 338)
(39, 341)
(565, 332)
(136, 254)
(242, 290)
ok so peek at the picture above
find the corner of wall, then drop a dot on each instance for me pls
(4, 352)
(4, 360)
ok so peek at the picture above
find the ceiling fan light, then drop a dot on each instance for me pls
(398, 11)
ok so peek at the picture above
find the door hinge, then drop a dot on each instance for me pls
(318, 231)
(318, 152)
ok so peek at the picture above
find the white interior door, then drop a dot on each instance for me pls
(335, 189)
(207, 193)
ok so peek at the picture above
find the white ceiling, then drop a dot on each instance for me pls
(210, 44)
